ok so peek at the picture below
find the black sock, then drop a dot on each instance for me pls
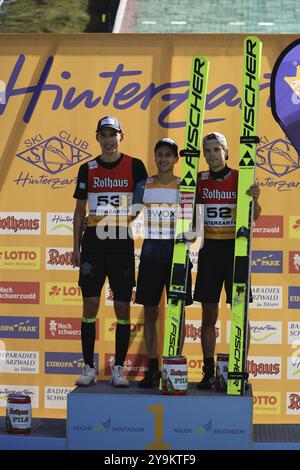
(88, 335)
(209, 365)
(122, 342)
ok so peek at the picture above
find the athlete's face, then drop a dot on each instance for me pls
(215, 155)
(165, 159)
(109, 140)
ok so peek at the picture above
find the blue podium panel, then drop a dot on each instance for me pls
(103, 417)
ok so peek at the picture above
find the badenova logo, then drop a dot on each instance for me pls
(60, 223)
(65, 328)
(66, 363)
(59, 258)
(19, 327)
(293, 332)
(294, 297)
(20, 223)
(293, 367)
(267, 403)
(19, 362)
(293, 403)
(62, 293)
(31, 391)
(264, 367)
(265, 297)
(19, 257)
(56, 397)
(263, 332)
(266, 262)
(14, 292)
(268, 226)
(193, 331)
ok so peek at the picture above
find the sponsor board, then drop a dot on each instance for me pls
(294, 262)
(67, 363)
(264, 367)
(266, 297)
(293, 403)
(293, 366)
(56, 397)
(20, 223)
(294, 297)
(13, 292)
(266, 262)
(25, 390)
(193, 331)
(62, 293)
(59, 258)
(65, 328)
(293, 332)
(19, 327)
(19, 362)
(135, 365)
(60, 223)
(136, 329)
(268, 226)
(195, 365)
(109, 297)
(261, 332)
(267, 403)
(264, 332)
(294, 226)
(16, 257)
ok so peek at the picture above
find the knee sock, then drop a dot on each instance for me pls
(209, 364)
(153, 364)
(122, 341)
(88, 335)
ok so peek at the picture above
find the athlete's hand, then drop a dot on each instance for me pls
(188, 237)
(76, 258)
(254, 191)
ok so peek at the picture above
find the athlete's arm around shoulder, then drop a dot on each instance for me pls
(138, 170)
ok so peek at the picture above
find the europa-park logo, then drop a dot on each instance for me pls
(62, 293)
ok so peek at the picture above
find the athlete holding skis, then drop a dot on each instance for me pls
(160, 195)
(217, 191)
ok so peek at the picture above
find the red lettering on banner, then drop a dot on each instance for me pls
(294, 401)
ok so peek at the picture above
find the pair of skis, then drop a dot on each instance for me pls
(191, 154)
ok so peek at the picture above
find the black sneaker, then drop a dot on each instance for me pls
(151, 379)
(208, 380)
(206, 383)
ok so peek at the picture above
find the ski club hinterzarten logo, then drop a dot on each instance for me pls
(279, 159)
(51, 156)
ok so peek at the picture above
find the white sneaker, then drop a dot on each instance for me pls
(88, 376)
(118, 379)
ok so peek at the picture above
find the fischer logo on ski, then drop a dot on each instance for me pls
(244, 218)
(190, 163)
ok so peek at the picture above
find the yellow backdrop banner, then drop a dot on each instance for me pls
(54, 88)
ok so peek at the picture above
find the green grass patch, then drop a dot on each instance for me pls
(58, 16)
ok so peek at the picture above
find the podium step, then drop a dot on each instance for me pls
(104, 417)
